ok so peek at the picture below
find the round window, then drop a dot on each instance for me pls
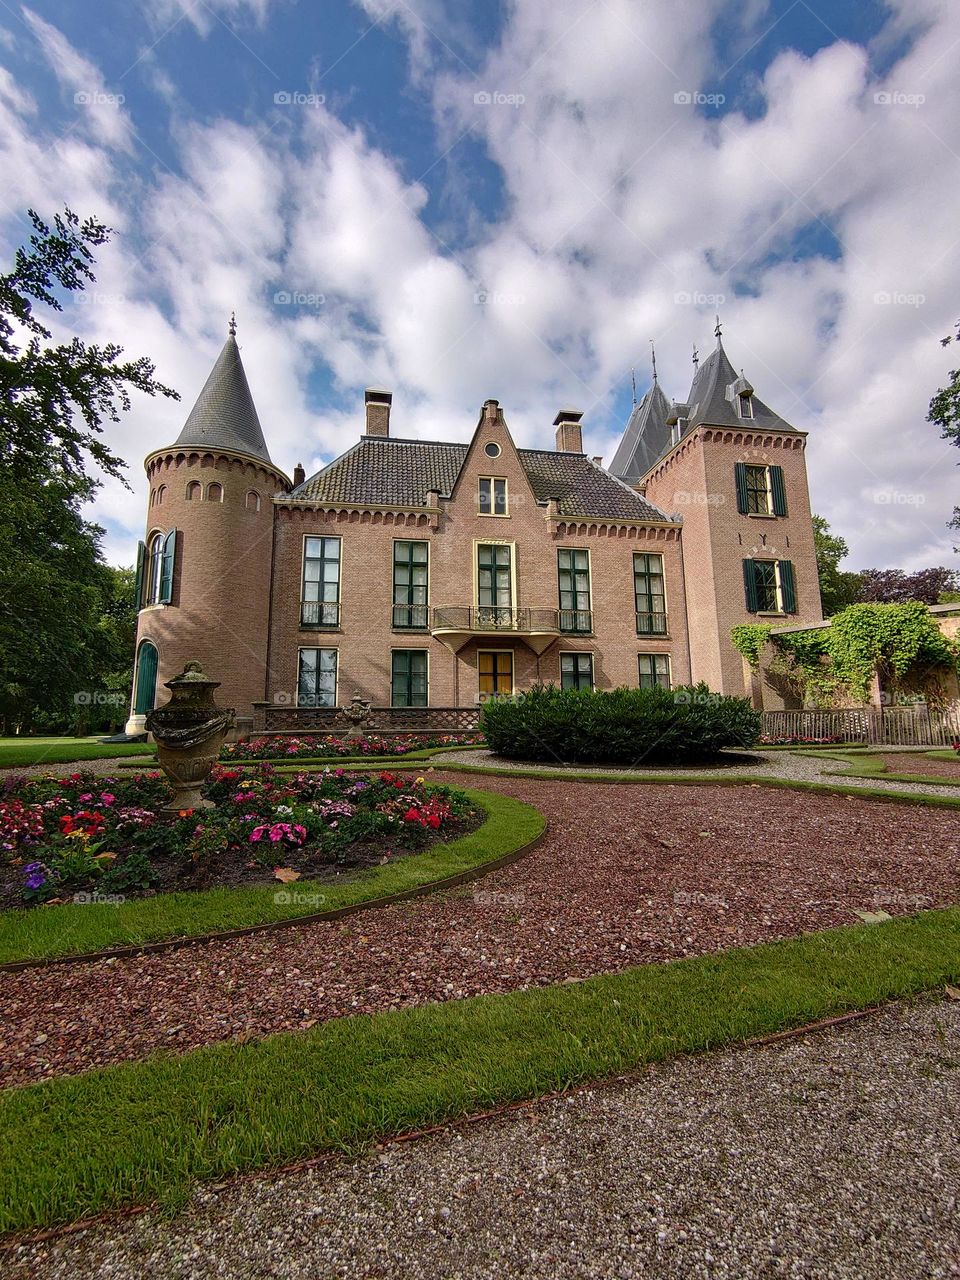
(492, 450)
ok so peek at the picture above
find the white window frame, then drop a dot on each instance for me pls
(494, 481)
(652, 654)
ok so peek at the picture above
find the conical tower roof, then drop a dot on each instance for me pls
(646, 438)
(712, 399)
(225, 416)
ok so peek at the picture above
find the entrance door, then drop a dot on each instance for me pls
(496, 672)
(146, 690)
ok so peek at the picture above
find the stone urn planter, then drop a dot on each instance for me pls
(189, 732)
(356, 716)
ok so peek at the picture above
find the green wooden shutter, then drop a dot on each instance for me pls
(141, 564)
(788, 587)
(166, 572)
(740, 476)
(750, 585)
(778, 492)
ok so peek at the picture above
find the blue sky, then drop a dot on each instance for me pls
(511, 200)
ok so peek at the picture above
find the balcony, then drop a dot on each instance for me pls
(651, 624)
(319, 615)
(538, 628)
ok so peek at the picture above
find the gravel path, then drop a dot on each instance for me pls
(829, 1157)
(626, 875)
(766, 764)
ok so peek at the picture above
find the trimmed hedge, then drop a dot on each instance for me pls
(623, 726)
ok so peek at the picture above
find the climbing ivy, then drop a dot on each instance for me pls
(750, 639)
(900, 643)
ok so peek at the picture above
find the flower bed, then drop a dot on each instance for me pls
(85, 838)
(279, 746)
(798, 740)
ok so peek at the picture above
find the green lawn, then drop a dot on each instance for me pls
(74, 929)
(15, 752)
(140, 1132)
(872, 766)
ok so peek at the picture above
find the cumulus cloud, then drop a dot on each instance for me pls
(630, 212)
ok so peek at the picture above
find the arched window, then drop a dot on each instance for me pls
(194, 491)
(215, 492)
(253, 500)
(156, 569)
(161, 494)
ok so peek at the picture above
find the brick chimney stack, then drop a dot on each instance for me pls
(378, 411)
(569, 435)
(299, 475)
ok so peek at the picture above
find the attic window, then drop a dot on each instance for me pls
(745, 405)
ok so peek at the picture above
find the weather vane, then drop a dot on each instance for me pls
(633, 383)
(233, 324)
(696, 357)
(653, 358)
(717, 330)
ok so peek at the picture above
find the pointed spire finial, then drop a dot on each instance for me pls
(696, 357)
(633, 383)
(232, 326)
(653, 359)
(717, 331)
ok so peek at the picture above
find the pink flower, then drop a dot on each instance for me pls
(107, 798)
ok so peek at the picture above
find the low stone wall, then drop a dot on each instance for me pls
(276, 718)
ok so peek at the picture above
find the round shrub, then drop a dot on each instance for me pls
(622, 726)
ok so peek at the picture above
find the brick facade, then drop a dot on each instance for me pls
(235, 596)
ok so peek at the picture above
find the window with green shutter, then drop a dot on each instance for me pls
(410, 585)
(769, 586)
(140, 582)
(576, 670)
(408, 680)
(778, 492)
(573, 568)
(166, 567)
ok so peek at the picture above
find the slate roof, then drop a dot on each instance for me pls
(646, 438)
(382, 470)
(708, 398)
(648, 435)
(225, 416)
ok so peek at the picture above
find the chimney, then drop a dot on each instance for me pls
(299, 475)
(378, 411)
(569, 437)
(598, 459)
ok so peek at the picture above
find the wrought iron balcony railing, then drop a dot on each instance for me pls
(485, 618)
(318, 613)
(576, 621)
(411, 617)
(651, 624)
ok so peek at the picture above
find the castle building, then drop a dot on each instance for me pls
(434, 574)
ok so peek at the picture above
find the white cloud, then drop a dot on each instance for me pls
(618, 199)
(99, 108)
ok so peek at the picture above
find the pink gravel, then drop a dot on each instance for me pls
(627, 875)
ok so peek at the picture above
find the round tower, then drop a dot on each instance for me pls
(204, 568)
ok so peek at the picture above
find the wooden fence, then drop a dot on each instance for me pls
(918, 726)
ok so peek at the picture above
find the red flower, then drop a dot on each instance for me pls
(412, 815)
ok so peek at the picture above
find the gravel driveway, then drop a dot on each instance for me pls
(828, 1157)
(626, 875)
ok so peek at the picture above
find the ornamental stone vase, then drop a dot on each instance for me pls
(356, 716)
(189, 731)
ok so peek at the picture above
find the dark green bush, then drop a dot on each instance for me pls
(623, 726)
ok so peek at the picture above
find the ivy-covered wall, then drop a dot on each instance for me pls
(898, 645)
